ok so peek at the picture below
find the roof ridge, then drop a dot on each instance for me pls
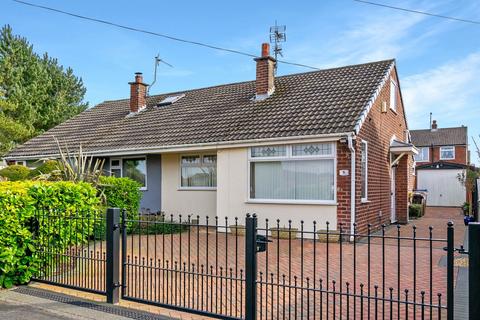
(249, 81)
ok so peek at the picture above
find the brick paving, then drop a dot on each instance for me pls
(204, 269)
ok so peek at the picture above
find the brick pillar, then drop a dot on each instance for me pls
(343, 187)
(401, 192)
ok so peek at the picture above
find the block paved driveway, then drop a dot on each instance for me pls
(203, 269)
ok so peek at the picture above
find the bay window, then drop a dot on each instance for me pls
(198, 171)
(301, 172)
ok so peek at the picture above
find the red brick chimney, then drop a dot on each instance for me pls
(138, 93)
(265, 82)
(434, 125)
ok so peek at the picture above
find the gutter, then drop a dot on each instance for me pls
(352, 185)
(194, 147)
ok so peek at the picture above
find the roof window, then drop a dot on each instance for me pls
(169, 100)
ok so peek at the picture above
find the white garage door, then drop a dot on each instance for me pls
(443, 187)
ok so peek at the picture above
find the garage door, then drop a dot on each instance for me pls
(443, 187)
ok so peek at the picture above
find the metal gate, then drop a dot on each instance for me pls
(264, 270)
(254, 268)
(71, 249)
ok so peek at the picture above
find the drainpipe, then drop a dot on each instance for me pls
(352, 184)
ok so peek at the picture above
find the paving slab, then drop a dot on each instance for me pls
(37, 304)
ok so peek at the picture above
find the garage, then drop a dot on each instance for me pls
(442, 184)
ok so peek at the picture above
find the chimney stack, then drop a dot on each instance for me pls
(138, 93)
(265, 81)
(434, 125)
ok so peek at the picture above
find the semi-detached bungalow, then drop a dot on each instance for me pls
(288, 147)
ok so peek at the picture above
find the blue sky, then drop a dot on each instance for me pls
(438, 60)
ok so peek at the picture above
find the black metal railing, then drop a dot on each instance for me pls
(70, 249)
(389, 274)
(251, 268)
(185, 263)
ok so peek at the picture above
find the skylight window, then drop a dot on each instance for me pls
(169, 100)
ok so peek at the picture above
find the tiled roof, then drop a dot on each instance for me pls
(321, 102)
(440, 137)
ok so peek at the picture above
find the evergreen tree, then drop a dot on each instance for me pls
(36, 92)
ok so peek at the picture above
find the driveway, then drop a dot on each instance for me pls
(204, 269)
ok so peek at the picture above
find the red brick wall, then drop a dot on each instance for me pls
(378, 130)
(460, 155)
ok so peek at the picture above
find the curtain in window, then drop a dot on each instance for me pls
(199, 177)
(293, 180)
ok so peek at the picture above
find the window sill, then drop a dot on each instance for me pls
(365, 201)
(272, 201)
(143, 189)
(394, 111)
(447, 159)
(196, 189)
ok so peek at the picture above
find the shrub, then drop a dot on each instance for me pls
(123, 193)
(15, 172)
(415, 210)
(45, 168)
(158, 224)
(24, 209)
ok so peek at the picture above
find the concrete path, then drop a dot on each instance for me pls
(36, 304)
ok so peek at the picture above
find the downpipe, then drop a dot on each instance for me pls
(352, 185)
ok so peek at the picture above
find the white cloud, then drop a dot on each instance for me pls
(450, 91)
(375, 35)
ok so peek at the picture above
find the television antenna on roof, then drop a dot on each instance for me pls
(158, 60)
(277, 36)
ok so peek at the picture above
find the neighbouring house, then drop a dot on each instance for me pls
(443, 156)
(329, 145)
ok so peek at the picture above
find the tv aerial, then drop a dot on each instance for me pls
(277, 36)
(158, 60)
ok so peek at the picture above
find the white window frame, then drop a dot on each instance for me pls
(21, 163)
(428, 154)
(290, 157)
(201, 155)
(364, 199)
(120, 159)
(450, 147)
(393, 95)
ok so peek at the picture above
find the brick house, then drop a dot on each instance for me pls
(443, 155)
(288, 147)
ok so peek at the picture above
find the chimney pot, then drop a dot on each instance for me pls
(265, 50)
(434, 125)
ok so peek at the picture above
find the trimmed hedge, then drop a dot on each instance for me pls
(15, 172)
(25, 210)
(123, 193)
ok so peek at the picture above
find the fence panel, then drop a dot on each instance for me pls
(392, 273)
(185, 263)
(70, 249)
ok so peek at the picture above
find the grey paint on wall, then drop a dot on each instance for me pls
(151, 200)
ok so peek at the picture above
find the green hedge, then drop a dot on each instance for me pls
(123, 193)
(15, 172)
(27, 210)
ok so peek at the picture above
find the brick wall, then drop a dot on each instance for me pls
(460, 155)
(378, 130)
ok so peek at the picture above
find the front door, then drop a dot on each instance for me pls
(393, 216)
